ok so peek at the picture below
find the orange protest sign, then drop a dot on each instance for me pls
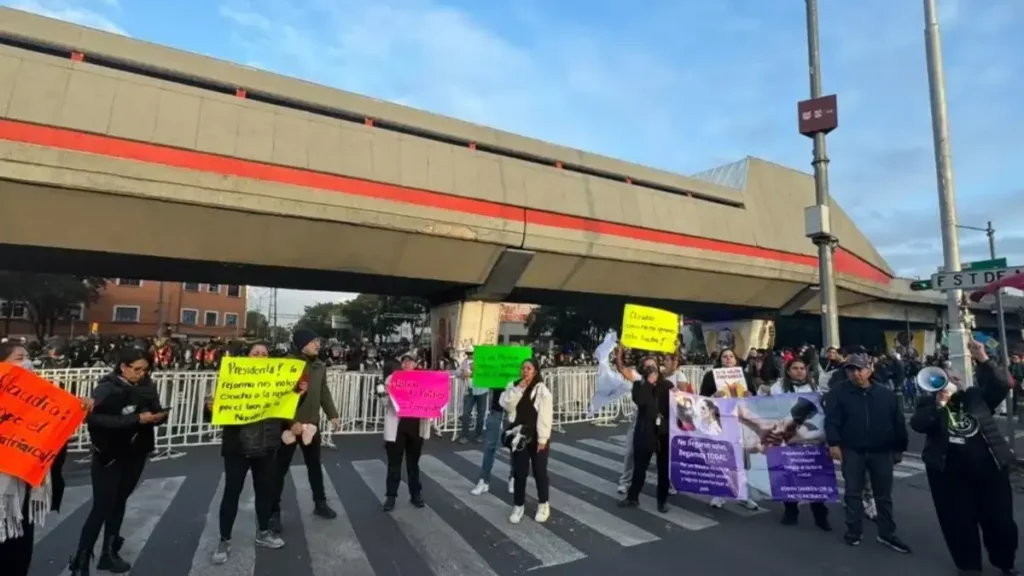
(36, 420)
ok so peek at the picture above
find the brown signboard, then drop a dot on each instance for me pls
(817, 115)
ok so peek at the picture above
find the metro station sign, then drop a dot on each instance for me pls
(818, 115)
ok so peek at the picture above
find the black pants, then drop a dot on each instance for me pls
(857, 466)
(111, 486)
(16, 553)
(522, 462)
(818, 510)
(641, 460)
(970, 497)
(311, 456)
(57, 478)
(264, 483)
(408, 445)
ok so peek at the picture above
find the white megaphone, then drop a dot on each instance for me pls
(932, 379)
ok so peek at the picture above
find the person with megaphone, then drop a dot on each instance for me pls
(967, 461)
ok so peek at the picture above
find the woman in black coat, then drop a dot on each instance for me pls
(967, 461)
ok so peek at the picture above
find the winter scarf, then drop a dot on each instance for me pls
(12, 498)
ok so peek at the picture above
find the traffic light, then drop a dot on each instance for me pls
(919, 285)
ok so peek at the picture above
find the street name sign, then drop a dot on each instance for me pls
(971, 279)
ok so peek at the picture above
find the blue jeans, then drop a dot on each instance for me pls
(492, 436)
(468, 403)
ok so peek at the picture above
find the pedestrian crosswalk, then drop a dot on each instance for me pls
(172, 524)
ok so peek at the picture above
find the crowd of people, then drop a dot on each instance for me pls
(966, 457)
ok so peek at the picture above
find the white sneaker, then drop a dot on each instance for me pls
(672, 491)
(517, 514)
(543, 512)
(511, 486)
(717, 503)
(622, 489)
(480, 488)
(749, 505)
(221, 553)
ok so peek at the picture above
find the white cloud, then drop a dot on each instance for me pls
(70, 11)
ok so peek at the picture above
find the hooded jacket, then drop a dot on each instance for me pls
(114, 428)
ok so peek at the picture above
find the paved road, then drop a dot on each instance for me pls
(171, 523)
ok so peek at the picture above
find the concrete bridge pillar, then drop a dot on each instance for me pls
(459, 325)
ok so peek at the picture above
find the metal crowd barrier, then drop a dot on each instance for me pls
(360, 410)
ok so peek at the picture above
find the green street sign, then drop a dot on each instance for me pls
(994, 264)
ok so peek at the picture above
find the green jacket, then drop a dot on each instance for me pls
(317, 396)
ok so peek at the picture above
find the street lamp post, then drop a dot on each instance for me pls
(817, 117)
(957, 335)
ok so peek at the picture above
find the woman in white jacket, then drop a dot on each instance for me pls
(403, 439)
(530, 409)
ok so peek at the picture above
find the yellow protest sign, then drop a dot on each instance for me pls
(650, 329)
(254, 389)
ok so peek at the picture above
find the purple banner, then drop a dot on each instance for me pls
(756, 447)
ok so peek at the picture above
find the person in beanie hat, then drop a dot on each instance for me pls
(306, 347)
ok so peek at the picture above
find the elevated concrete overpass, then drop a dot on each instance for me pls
(110, 145)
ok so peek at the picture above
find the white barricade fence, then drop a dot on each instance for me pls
(360, 410)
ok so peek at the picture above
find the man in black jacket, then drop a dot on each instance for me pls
(866, 431)
(650, 436)
(967, 460)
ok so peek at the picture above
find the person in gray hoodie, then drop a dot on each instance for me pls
(306, 347)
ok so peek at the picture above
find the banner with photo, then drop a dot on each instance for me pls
(916, 342)
(756, 447)
(739, 335)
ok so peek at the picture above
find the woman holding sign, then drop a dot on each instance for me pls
(527, 436)
(403, 439)
(120, 420)
(23, 506)
(708, 387)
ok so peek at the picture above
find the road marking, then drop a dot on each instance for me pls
(243, 537)
(604, 523)
(74, 498)
(621, 439)
(144, 509)
(530, 536)
(676, 515)
(445, 552)
(333, 545)
(613, 466)
(607, 447)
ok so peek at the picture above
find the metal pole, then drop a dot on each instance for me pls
(957, 335)
(826, 244)
(1004, 346)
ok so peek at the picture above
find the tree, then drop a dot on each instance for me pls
(318, 318)
(49, 297)
(583, 325)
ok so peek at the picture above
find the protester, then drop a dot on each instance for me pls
(708, 387)
(866, 431)
(250, 447)
(306, 347)
(492, 439)
(631, 375)
(967, 461)
(120, 446)
(797, 380)
(475, 400)
(528, 437)
(403, 440)
(652, 395)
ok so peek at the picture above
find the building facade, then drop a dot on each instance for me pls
(134, 307)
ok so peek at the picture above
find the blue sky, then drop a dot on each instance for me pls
(683, 85)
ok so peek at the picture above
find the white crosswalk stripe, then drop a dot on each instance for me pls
(172, 524)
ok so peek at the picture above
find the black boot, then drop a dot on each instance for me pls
(322, 510)
(79, 564)
(111, 561)
(116, 544)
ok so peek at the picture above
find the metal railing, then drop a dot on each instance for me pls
(360, 410)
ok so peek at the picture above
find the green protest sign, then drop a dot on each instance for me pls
(496, 366)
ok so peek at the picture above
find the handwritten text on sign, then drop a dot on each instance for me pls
(497, 366)
(651, 329)
(419, 393)
(254, 389)
(730, 382)
(36, 420)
